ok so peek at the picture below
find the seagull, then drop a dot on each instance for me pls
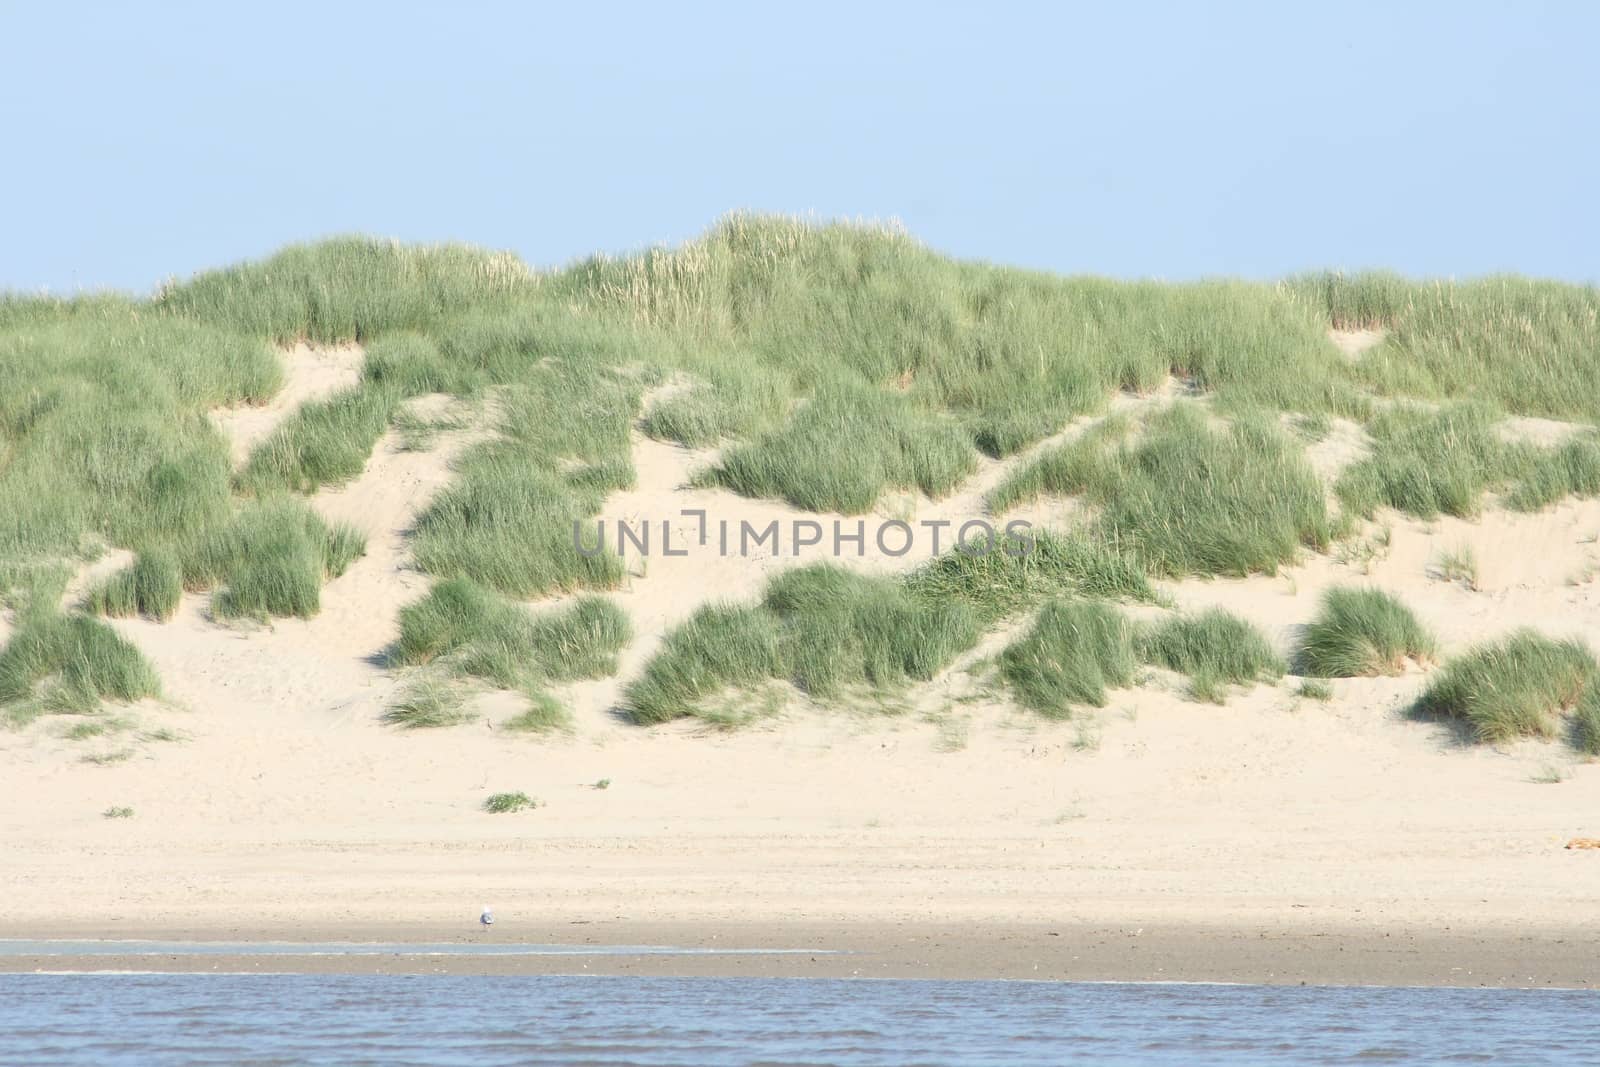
(487, 918)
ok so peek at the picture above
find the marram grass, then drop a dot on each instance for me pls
(1363, 632)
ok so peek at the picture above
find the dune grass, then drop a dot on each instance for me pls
(1516, 687)
(151, 586)
(1020, 572)
(1363, 632)
(325, 442)
(1571, 469)
(1528, 346)
(890, 445)
(59, 662)
(1074, 652)
(348, 289)
(475, 633)
(1187, 498)
(1215, 648)
(720, 646)
(824, 628)
(543, 715)
(428, 702)
(831, 362)
(270, 560)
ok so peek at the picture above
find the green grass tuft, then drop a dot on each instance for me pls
(890, 445)
(1073, 653)
(486, 636)
(1315, 689)
(271, 560)
(428, 703)
(152, 587)
(69, 663)
(719, 646)
(325, 442)
(1215, 649)
(544, 715)
(1190, 499)
(1516, 687)
(1363, 632)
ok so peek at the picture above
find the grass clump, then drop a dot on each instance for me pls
(1215, 649)
(1572, 469)
(69, 663)
(1018, 573)
(513, 528)
(1459, 564)
(890, 444)
(505, 803)
(1586, 722)
(841, 629)
(271, 560)
(325, 442)
(1315, 689)
(151, 587)
(1363, 632)
(1425, 463)
(720, 646)
(489, 637)
(1516, 687)
(428, 703)
(1073, 653)
(1190, 499)
(821, 627)
(544, 714)
(117, 813)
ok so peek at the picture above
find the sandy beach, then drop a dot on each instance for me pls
(1274, 838)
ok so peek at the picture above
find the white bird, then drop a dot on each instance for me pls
(487, 918)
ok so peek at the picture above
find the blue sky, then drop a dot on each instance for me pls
(1126, 139)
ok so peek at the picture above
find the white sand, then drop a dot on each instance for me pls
(289, 802)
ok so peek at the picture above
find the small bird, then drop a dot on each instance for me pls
(487, 918)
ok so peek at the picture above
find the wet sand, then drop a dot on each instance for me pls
(1567, 958)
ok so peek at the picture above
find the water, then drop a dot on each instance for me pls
(183, 1019)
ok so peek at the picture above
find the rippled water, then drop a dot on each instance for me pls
(180, 1019)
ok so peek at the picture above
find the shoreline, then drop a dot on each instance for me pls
(1174, 952)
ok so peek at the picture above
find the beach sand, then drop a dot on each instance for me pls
(944, 832)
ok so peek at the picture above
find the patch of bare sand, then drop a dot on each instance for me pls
(1547, 433)
(1355, 343)
(310, 372)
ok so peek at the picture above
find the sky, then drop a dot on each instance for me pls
(143, 142)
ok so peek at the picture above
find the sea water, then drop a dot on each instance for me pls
(182, 1019)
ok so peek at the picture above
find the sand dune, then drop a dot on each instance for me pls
(289, 799)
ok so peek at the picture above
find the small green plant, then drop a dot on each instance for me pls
(1549, 774)
(505, 803)
(106, 759)
(118, 813)
(1315, 689)
(428, 702)
(1363, 632)
(545, 714)
(604, 783)
(1459, 564)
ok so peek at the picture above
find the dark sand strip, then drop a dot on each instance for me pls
(1061, 952)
